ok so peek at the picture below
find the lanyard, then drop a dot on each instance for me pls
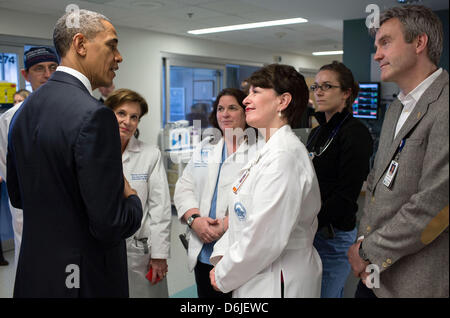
(400, 148)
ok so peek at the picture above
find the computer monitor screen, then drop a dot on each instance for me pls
(368, 101)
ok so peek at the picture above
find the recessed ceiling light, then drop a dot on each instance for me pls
(328, 53)
(248, 26)
(148, 4)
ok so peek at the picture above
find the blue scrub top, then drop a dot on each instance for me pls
(207, 248)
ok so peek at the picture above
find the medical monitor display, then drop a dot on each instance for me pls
(368, 101)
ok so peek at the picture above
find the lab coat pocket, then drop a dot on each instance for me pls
(137, 257)
(140, 185)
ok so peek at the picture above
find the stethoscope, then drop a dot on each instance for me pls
(333, 134)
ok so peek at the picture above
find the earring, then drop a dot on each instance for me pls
(279, 114)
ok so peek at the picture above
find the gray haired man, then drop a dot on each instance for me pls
(403, 233)
(64, 170)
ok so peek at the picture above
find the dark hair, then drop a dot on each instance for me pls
(284, 79)
(236, 93)
(345, 79)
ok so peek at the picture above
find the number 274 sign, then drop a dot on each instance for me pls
(4, 58)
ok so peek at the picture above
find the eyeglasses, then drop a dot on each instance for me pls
(43, 69)
(324, 87)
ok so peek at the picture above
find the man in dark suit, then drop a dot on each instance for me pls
(403, 233)
(64, 170)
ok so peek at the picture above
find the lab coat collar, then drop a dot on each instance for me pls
(218, 150)
(275, 139)
(133, 146)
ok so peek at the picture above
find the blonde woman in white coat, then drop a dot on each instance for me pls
(149, 247)
(201, 193)
(274, 203)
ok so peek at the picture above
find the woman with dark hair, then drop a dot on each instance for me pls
(274, 201)
(340, 149)
(201, 193)
(148, 249)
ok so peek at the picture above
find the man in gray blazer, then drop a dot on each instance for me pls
(403, 234)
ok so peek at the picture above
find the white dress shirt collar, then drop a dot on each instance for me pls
(410, 100)
(413, 97)
(78, 75)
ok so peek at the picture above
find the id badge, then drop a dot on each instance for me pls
(390, 175)
(241, 181)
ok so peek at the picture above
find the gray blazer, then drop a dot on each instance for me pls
(406, 226)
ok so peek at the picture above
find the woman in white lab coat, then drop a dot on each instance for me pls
(201, 193)
(149, 247)
(274, 203)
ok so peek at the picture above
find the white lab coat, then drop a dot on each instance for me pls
(17, 214)
(144, 170)
(272, 223)
(195, 188)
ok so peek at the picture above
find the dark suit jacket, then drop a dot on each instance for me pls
(406, 226)
(64, 170)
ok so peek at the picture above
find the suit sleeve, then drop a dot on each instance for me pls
(99, 167)
(425, 215)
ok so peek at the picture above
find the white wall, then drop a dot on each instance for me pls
(142, 54)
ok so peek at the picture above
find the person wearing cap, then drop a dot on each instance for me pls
(64, 169)
(40, 63)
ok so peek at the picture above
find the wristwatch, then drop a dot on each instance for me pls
(191, 219)
(362, 254)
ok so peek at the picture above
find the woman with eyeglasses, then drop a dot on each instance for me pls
(340, 149)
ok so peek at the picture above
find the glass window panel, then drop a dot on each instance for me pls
(192, 93)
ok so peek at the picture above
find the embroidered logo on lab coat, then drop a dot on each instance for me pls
(139, 176)
(240, 211)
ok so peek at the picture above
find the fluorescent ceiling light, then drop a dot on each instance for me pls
(328, 53)
(248, 26)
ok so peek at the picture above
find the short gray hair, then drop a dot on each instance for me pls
(88, 24)
(417, 20)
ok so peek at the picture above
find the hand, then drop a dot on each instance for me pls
(356, 262)
(127, 189)
(160, 269)
(207, 229)
(212, 278)
(224, 224)
(364, 275)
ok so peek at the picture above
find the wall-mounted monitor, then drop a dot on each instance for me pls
(367, 103)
